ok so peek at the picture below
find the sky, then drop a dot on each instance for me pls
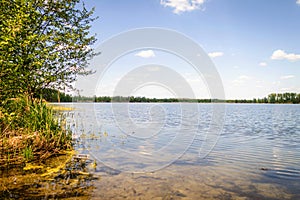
(253, 44)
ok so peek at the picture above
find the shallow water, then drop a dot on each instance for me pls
(190, 151)
(58, 177)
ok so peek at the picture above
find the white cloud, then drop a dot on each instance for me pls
(263, 64)
(287, 77)
(298, 2)
(281, 55)
(146, 54)
(241, 80)
(182, 5)
(286, 89)
(215, 54)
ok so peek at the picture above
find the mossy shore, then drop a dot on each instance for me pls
(36, 153)
(60, 176)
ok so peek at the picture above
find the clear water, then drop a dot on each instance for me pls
(191, 151)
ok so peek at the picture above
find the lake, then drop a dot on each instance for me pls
(190, 151)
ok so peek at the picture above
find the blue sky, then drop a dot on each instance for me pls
(254, 44)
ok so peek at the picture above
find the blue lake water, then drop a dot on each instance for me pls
(191, 151)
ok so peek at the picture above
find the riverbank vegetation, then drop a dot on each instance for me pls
(30, 131)
(44, 47)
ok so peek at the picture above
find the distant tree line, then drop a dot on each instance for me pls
(291, 98)
(284, 98)
(148, 100)
(278, 98)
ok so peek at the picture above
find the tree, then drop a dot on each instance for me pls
(293, 97)
(272, 98)
(298, 98)
(280, 98)
(43, 44)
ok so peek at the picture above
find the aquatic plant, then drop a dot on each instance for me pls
(30, 129)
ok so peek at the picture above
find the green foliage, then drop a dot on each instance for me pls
(43, 44)
(30, 127)
(287, 97)
(44, 47)
(34, 116)
(272, 98)
(52, 95)
(27, 153)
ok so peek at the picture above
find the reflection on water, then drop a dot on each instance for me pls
(257, 154)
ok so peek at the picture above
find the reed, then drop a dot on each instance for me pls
(31, 130)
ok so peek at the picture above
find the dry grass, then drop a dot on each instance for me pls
(30, 130)
(14, 144)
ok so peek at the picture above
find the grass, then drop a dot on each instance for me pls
(30, 130)
(27, 153)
